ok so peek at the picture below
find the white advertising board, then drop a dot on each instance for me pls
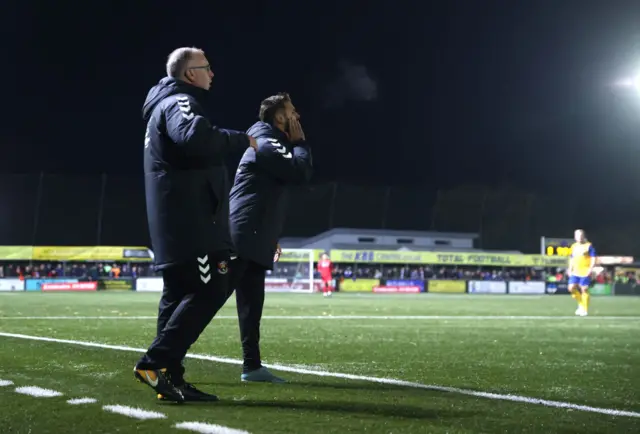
(149, 284)
(11, 285)
(487, 287)
(526, 288)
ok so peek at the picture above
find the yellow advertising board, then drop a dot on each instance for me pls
(83, 253)
(446, 258)
(16, 253)
(358, 285)
(298, 255)
(90, 253)
(451, 286)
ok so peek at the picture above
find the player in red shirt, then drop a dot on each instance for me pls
(325, 268)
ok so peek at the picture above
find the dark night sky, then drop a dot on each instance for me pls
(443, 92)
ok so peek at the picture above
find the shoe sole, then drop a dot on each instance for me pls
(163, 399)
(170, 397)
(262, 381)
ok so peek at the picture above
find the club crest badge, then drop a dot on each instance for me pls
(222, 267)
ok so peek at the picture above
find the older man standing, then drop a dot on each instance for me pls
(187, 194)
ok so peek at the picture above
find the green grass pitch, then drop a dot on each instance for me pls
(505, 364)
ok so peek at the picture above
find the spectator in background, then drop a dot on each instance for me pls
(115, 271)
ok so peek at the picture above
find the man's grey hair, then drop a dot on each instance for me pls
(179, 59)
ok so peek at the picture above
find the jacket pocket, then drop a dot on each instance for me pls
(214, 198)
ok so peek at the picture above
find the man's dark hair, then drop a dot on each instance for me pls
(270, 106)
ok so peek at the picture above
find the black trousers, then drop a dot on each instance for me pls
(247, 278)
(193, 293)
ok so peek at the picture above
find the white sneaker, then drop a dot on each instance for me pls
(581, 312)
(262, 375)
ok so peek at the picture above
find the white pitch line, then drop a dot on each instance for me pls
(77, 317)
(80, 401)
(136, 413)
(38, 392)
(208, 428)
(346, 317)
(5, 383)
(380, 380)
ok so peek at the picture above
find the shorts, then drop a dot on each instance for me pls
(581, 281)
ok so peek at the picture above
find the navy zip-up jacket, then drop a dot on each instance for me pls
(186, 180)
(258, 198)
